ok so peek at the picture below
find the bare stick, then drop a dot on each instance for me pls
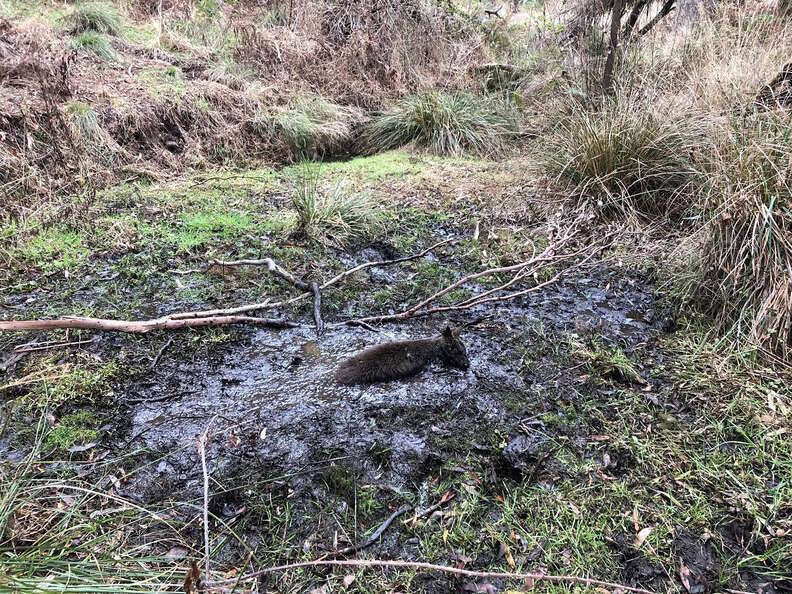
(211, 317)
(143, 326)
(522, 270)
(271, 265)
(51, 345)
(202, 441)
(159, 354)
(536, 577)
(365, 265)
(317, 308)
(375, 536)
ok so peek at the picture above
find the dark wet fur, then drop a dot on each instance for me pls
(397, 360)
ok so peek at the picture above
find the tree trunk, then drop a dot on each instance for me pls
(613, 47)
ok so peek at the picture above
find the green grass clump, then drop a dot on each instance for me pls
(84, 120)
(73, 429)
(55, 249)
(610, 361)
(94, 43)
(336, 215)
(444, 123)
(201, 228)
(94, 16)
(315, 127)
(628, 158)
(747, 253)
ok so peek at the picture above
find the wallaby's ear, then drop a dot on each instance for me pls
(451, 332)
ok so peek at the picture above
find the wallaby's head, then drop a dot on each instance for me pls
(452, 351)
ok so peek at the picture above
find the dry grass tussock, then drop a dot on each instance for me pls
(746, 204)
(684, 137)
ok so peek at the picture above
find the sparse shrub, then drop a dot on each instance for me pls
(94, 16)
(315, 127)
(336, 215)
(446, 123)
(627, 157)
(747, 253)
(95, 43)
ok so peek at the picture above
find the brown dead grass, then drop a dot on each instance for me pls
(219, 75)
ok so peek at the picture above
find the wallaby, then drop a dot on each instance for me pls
(396, 360)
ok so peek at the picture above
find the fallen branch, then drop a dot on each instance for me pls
(536, 577)
(375, 536)
(521, 270)
(213, 317)
(143, 326)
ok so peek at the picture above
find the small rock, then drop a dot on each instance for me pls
(522, 454)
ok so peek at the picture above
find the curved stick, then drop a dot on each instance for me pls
(537, 577)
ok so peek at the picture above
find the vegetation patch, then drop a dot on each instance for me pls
(313, 127)
(164, 82)
(75, 382)
(337, 214)
(203, 227)
(94, 43)
(97, 17)
(747, 254)
(55, 248)
(445, 123)
(74, 429)
(626, 158)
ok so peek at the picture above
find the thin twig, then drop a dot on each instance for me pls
(536, 577)
(447, 496)
(521, 269)
(159, 354)
(50, 345)
(317, 308)
(271, 265)
(375, 536)
(359, 267)
(202, 441)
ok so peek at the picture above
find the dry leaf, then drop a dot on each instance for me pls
(505, 552)
(348, 579)
(642, 536)
(689, 580)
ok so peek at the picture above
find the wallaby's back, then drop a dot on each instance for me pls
(398, 360)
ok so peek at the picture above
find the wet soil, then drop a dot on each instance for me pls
(274, 400)
(282, 427)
